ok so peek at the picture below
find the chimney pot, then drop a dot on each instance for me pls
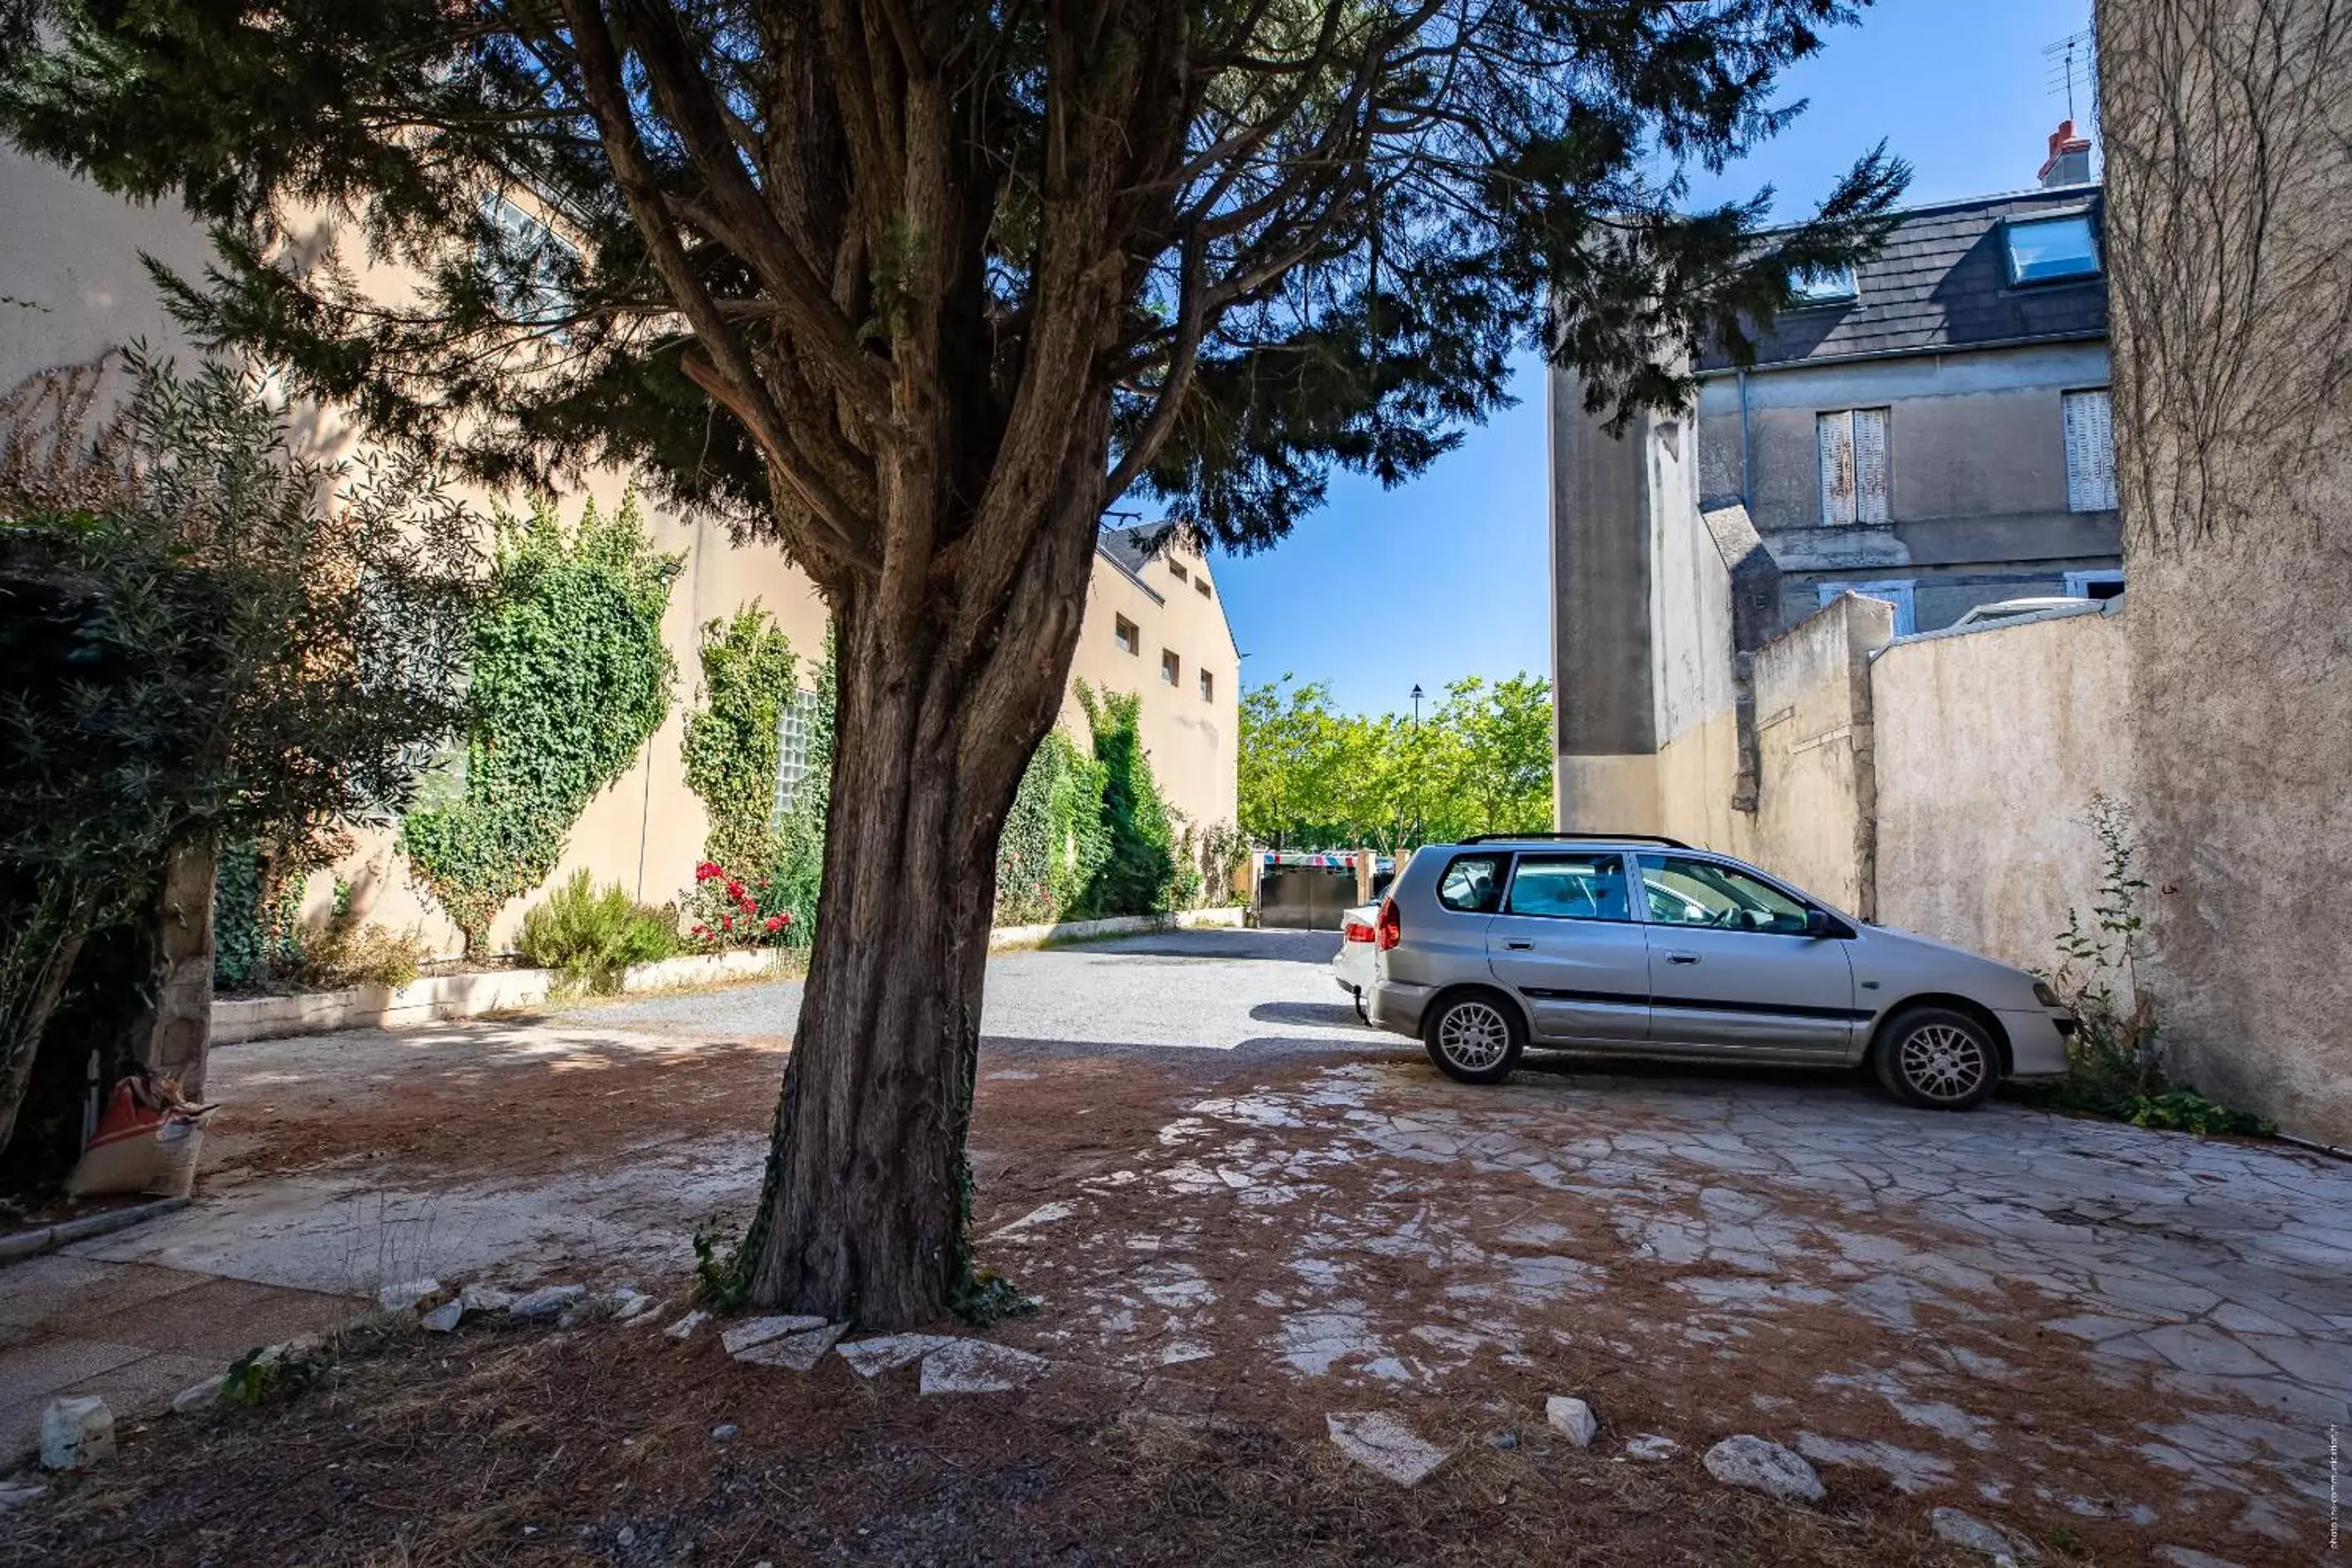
(2069, 163)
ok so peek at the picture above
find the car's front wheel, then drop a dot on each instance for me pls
(1939, 1059)
(1474, 1037)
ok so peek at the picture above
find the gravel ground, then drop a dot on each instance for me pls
(1196, 990)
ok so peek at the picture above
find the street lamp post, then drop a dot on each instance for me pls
(1416, 765)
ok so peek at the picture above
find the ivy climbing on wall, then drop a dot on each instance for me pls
(569, 679)
(732, 739)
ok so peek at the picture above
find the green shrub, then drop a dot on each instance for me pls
(2115, 1066)
(343, 956)
(1137, 872)
(592, 935)
(2186, 1111)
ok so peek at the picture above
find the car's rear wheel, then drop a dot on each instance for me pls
(1474, 1037)
(1939, 1058)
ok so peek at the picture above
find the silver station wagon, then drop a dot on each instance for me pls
(1637, 946)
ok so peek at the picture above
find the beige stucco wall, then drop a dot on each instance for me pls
(1989, 745)
(1815, 817)
(1193, 741)
(69, 253)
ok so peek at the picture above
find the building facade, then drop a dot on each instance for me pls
(72, 289)
(1932, 428)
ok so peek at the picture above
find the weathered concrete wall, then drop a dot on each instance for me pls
(1816, 815)
(1989, 745)
(1604, 721)
(2236, 489)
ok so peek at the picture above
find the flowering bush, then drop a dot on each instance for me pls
(726, 911)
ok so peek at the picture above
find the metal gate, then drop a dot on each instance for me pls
(1302, 892)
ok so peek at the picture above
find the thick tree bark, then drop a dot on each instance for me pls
(184, 965)
(55, 920)
(868, 1191)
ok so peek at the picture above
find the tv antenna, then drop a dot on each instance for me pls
(2071, 59)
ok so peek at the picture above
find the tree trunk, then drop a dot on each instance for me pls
(184, 965)
(869, 1192)
(35, 961)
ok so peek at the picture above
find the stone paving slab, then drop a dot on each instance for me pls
(131, 1333)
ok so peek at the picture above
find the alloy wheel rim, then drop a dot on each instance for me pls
(1942, 1061)
(1473, 1036)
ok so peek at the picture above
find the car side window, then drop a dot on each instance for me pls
(1571, 887)
(1693, 892)
(1473, 884)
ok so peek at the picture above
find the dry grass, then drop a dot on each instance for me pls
(513, 1447)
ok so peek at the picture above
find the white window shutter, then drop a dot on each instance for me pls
(2090, 452)
(1870, 486)
(1835, 432)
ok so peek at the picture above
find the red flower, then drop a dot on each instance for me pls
(726, 922)
(702, 931)
(786, 916)
(734, 890)
(777, 923)
(763, 881)
(707, 870)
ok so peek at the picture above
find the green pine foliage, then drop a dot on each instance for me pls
(730, 747)
(592, 935)
(569, 677)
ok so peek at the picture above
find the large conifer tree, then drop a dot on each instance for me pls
(915, 290)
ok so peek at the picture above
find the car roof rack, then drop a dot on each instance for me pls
(1577, 838)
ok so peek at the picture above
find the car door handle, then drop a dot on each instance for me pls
(1519, 946)
(1682, 958)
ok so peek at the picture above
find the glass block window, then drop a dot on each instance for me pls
(792, 747)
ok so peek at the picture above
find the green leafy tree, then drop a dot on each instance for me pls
(732, 739)
(205, 640)
(920, 289)
(1136, 873)
(569, 677)
(1315, 778)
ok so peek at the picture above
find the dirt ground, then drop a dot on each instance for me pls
(1231, 1248)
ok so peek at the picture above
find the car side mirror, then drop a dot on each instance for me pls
(1817, 922)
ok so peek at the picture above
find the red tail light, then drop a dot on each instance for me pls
(1356, 930)
(1392, 929)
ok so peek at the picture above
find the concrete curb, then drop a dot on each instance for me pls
(450, 996)
(32, 1243)
(1004, 937)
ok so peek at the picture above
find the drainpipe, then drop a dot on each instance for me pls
(1742, 376)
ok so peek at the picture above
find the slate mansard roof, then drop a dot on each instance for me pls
(1941, 282)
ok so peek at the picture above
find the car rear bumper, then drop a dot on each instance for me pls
(1396, 1005)
(2037, 1042)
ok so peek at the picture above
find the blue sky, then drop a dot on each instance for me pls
(1447, 575)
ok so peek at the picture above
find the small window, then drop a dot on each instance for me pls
(2052, 250)
(1571, 887)
(2090, 452)
(793, 746)
(528, 261)
(1129, 639)
(1201, 586)
(1853, 465)
(1208, 687)
(1473, 884)
(1692, 892)
(1822, 285)
(1170, 666)
(1176, 570)
(2097, 584)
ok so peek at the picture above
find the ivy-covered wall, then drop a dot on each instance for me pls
(569, 677)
